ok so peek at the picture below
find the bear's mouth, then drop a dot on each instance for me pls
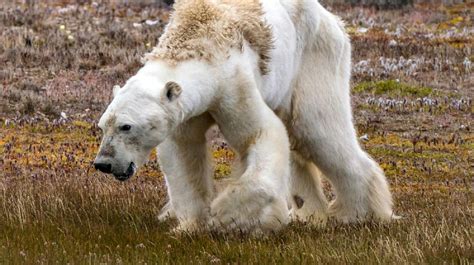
(127, 174)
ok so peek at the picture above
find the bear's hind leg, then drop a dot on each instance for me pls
(308, 202)
(321, 124)
(360, 185)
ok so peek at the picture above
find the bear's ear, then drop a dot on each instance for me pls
(172, 91)
(115, 90)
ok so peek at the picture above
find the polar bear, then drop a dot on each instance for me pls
(274, 76)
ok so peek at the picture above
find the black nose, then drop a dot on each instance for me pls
(104, 167)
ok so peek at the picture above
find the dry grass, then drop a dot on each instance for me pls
(54, 208)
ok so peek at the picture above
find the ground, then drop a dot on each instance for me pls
(412, 97)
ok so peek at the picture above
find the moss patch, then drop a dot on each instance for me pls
(392, 88)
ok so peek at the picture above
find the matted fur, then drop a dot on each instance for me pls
(200, 29)
(214, 47)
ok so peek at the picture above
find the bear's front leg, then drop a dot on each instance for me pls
(185, 161)
(257, 200)
(251, 205)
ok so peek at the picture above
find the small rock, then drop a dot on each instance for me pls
(467, 64)
(364, 138)
(362, 30)
(151, 22)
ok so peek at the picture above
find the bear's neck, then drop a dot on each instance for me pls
(205, 84)
(198, 80)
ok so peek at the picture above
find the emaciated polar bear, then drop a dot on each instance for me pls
(253, 68)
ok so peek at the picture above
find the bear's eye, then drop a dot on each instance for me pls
(125, 127)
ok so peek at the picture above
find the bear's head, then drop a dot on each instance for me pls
(139, 118)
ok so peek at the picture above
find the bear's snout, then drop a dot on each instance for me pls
(119, 172)
(104, 167)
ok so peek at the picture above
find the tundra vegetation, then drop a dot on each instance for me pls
(412, 95)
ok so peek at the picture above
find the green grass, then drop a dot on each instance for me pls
(392, 88)
(436, 234)
(62, 211)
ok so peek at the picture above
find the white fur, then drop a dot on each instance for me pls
(257, 199)
(308, 86)
(320, 119)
